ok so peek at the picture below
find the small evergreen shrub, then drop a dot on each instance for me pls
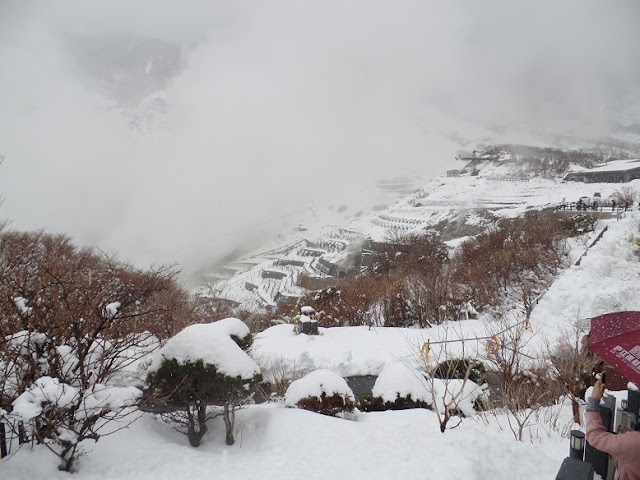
(183, 391)
(370, 403)
(244, 343)
(327, 405)
(323, 391)
(457, 368)
(578, 224)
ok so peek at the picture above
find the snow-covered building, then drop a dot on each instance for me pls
(617, 171)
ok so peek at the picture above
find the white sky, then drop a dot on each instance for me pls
(301, 100)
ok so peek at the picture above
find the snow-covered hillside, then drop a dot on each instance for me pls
(283, 443)
(605, 281)
(456, 206)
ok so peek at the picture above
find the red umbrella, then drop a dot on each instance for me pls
(616, 338)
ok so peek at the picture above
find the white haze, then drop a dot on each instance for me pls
(274, 106)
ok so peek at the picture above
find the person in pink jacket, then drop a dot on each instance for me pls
(624, 447)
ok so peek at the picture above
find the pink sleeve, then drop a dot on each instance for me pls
(620, 446)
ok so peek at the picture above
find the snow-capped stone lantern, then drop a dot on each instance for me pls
(306, 321)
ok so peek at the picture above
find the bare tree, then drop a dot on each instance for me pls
(449, 364)
(570, 364)
(625, 195)
(76, 320)
(523, 385)
(516, 259)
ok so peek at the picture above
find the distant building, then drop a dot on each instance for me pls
(617, 171)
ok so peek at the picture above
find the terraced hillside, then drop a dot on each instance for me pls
(456, 206)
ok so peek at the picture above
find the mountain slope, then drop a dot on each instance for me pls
(457, 206)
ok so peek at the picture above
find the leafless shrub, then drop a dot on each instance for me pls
(83, 319)
(423, 253)
(570, 364)
(325, 404)
(411, 280)
(517, 258)
(280, 375)
(625, 195)
(524, 386)
(449, 381)
(348, 303)
(257, 322)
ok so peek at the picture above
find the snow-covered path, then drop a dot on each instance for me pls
(607, 280)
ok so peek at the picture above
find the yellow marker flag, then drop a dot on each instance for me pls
(425, 351)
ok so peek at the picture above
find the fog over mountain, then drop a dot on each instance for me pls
(176, 131)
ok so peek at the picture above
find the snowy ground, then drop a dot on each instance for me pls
(274, 442)
(358, 350)
(607, 280)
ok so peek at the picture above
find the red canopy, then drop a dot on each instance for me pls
(616, 338)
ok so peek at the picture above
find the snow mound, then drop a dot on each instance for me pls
(101, 397)
(211, 343)
(399, 380)
(315, 384)
(45, 391)
(112, 309)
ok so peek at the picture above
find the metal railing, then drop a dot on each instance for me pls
(598, 237)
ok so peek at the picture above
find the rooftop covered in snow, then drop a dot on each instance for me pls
(616, 171)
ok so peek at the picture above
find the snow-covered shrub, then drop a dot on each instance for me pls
(322, 391)
(458, 367)
(398, 387)
(578, 224)
(371, 403)
(75, 325)
(203, 365)
(517, 258)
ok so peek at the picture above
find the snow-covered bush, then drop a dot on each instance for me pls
(74, 327)
(458, 367)
(203, 365)
(578, 224)
(322, 391)
(369, 403)
(398, 387)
